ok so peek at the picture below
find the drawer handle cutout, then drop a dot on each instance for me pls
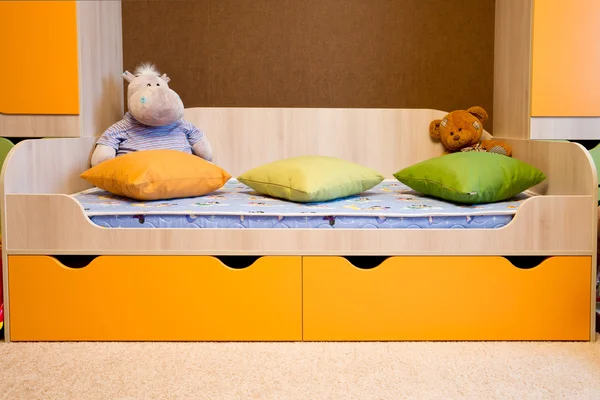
(366, 262)
(526, 262)
(238, 262)
(75, 262)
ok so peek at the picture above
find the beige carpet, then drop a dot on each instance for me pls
(127, 371)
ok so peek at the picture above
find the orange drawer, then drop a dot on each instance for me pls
(446, 298)
(155, 298)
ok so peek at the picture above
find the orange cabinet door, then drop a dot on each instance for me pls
(566, 58)
(39, 53)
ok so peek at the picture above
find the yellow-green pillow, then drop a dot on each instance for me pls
(311, 178)
(157, 175)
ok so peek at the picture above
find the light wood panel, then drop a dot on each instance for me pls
(569, 167)
(384, 139)
(56, 224)
(512, 68)
(47, 166)
(565, 128)
(37, 126)
(566, 59)
(38, 49)
(101, 65)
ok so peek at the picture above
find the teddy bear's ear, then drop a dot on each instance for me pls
(479, 113)
(434, 129)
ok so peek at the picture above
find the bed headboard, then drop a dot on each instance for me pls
(384, 139)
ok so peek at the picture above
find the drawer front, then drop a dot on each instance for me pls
(155, 298)
(446, 298)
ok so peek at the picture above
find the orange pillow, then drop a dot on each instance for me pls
(157, 175)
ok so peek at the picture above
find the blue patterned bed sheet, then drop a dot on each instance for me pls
(389, 205)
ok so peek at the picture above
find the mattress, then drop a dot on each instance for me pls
(389, 205)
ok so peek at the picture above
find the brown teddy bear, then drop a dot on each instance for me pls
(461, 130)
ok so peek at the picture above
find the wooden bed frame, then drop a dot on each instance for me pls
(301, 284)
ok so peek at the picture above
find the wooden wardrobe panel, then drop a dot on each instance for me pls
(318, 53)
(512, 68)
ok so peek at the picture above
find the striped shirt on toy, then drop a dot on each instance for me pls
(129, 135)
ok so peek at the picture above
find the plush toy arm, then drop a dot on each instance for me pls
(485, 135)
(109, 141)
(200, 144)
(102, 153)
(203, 149)
(496, 146)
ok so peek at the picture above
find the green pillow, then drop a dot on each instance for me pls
(471, 177)
(311, 178)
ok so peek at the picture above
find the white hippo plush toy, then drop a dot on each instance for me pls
(154, 121)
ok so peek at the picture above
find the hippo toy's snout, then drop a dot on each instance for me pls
(156, 106)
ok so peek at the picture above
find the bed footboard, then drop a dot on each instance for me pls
(56, 224)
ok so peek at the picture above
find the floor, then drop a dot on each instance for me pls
(127, 371)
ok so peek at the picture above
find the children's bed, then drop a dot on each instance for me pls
(388, 264)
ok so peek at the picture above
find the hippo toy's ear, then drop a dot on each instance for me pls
(165, 78)
(128, 76)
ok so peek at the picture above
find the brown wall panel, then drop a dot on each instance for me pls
(318, 53)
